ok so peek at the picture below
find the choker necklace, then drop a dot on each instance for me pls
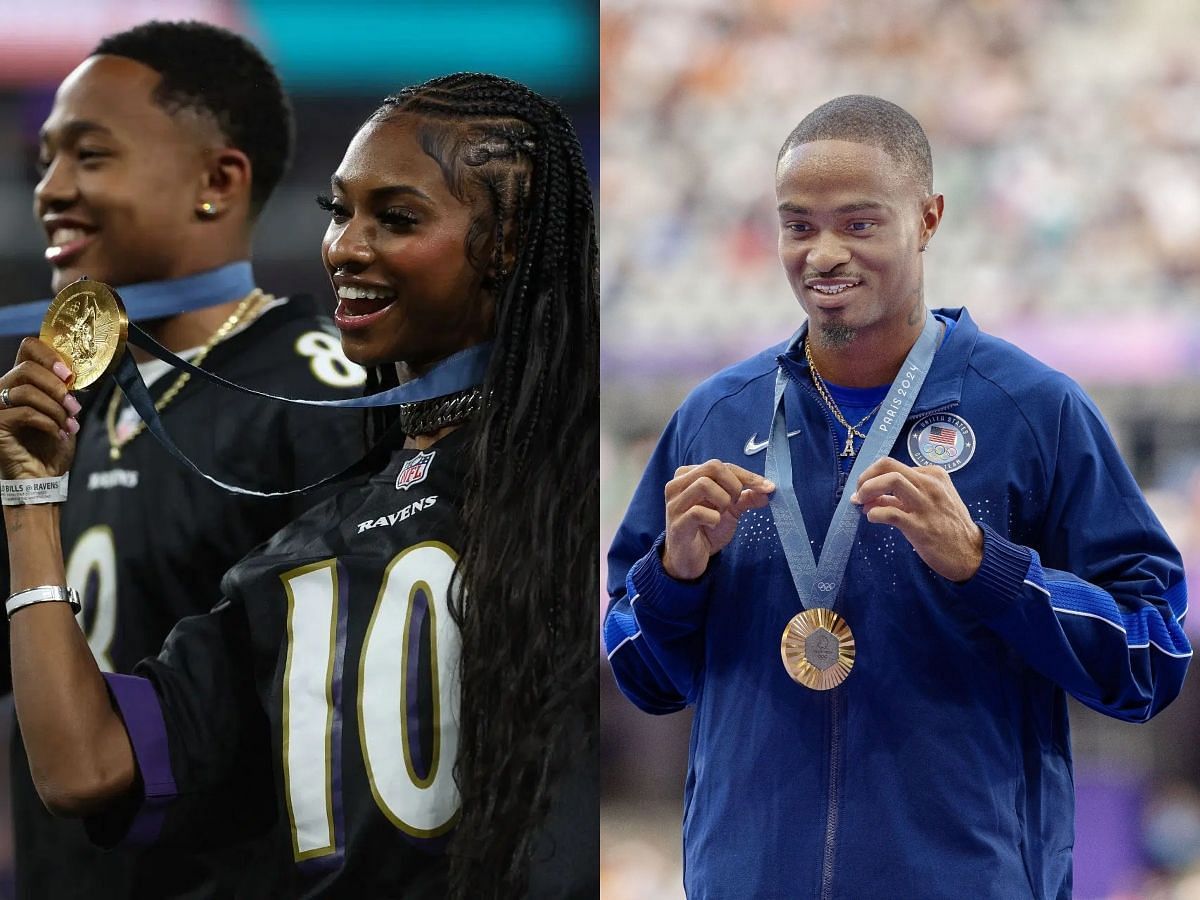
(247, 311)
(436, 413)
(852, 431)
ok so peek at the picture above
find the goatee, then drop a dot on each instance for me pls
(835, 336)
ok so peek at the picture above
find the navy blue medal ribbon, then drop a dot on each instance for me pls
(459, 372)
(818, 584)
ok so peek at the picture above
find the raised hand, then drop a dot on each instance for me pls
(38, 425)
(923, 503)
(704, 503)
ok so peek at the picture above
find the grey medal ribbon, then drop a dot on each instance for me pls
(818, 584)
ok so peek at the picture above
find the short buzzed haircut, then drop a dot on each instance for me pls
(220, 74)
(863, 119)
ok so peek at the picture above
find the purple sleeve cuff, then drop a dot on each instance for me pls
(139, 708)
(649, 585)
(1001, 575)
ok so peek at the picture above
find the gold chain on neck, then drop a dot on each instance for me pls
(851, 430)
(247, 311)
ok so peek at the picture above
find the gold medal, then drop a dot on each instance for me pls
(817, 649)
(86, 323)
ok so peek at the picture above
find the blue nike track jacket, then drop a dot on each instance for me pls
(941, 768)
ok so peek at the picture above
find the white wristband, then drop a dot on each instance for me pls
(24, 491)
(43, 594)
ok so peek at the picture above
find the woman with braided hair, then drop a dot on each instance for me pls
(411, 663)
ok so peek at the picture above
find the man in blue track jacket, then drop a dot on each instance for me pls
(998, 555)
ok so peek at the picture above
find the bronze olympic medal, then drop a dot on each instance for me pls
(86, 323)
(817, 649)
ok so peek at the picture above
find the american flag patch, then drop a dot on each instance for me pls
(940, 434)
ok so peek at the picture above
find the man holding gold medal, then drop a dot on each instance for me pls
(159, 153)
(886, 550)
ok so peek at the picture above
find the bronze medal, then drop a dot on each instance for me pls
(817, 649)
(86, 323)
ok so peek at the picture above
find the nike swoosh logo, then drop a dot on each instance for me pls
(753, 447)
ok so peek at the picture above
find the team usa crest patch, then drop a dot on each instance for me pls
(941, 439)
(414, 471)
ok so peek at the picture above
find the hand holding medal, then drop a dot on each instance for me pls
(924, 505)
(81, 339)
(36, 415)
(704, 503)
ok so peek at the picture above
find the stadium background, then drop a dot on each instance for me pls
(1067, 143)
(337, 60)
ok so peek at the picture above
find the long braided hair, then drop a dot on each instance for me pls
(527, 581)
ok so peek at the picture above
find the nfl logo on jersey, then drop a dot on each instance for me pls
(414, 471)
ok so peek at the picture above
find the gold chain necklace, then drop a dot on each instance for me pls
(851, 430)
(248, 310)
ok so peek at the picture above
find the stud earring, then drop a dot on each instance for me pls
(207, 210)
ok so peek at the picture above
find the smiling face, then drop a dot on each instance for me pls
(396, 252)
(852, 223)
(119, 178)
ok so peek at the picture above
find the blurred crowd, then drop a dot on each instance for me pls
(1065, 142)
(1063, 138)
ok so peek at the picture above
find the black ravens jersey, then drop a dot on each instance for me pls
(334, 657)
(146, 543)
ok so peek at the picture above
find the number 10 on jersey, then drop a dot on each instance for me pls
(416, 583)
